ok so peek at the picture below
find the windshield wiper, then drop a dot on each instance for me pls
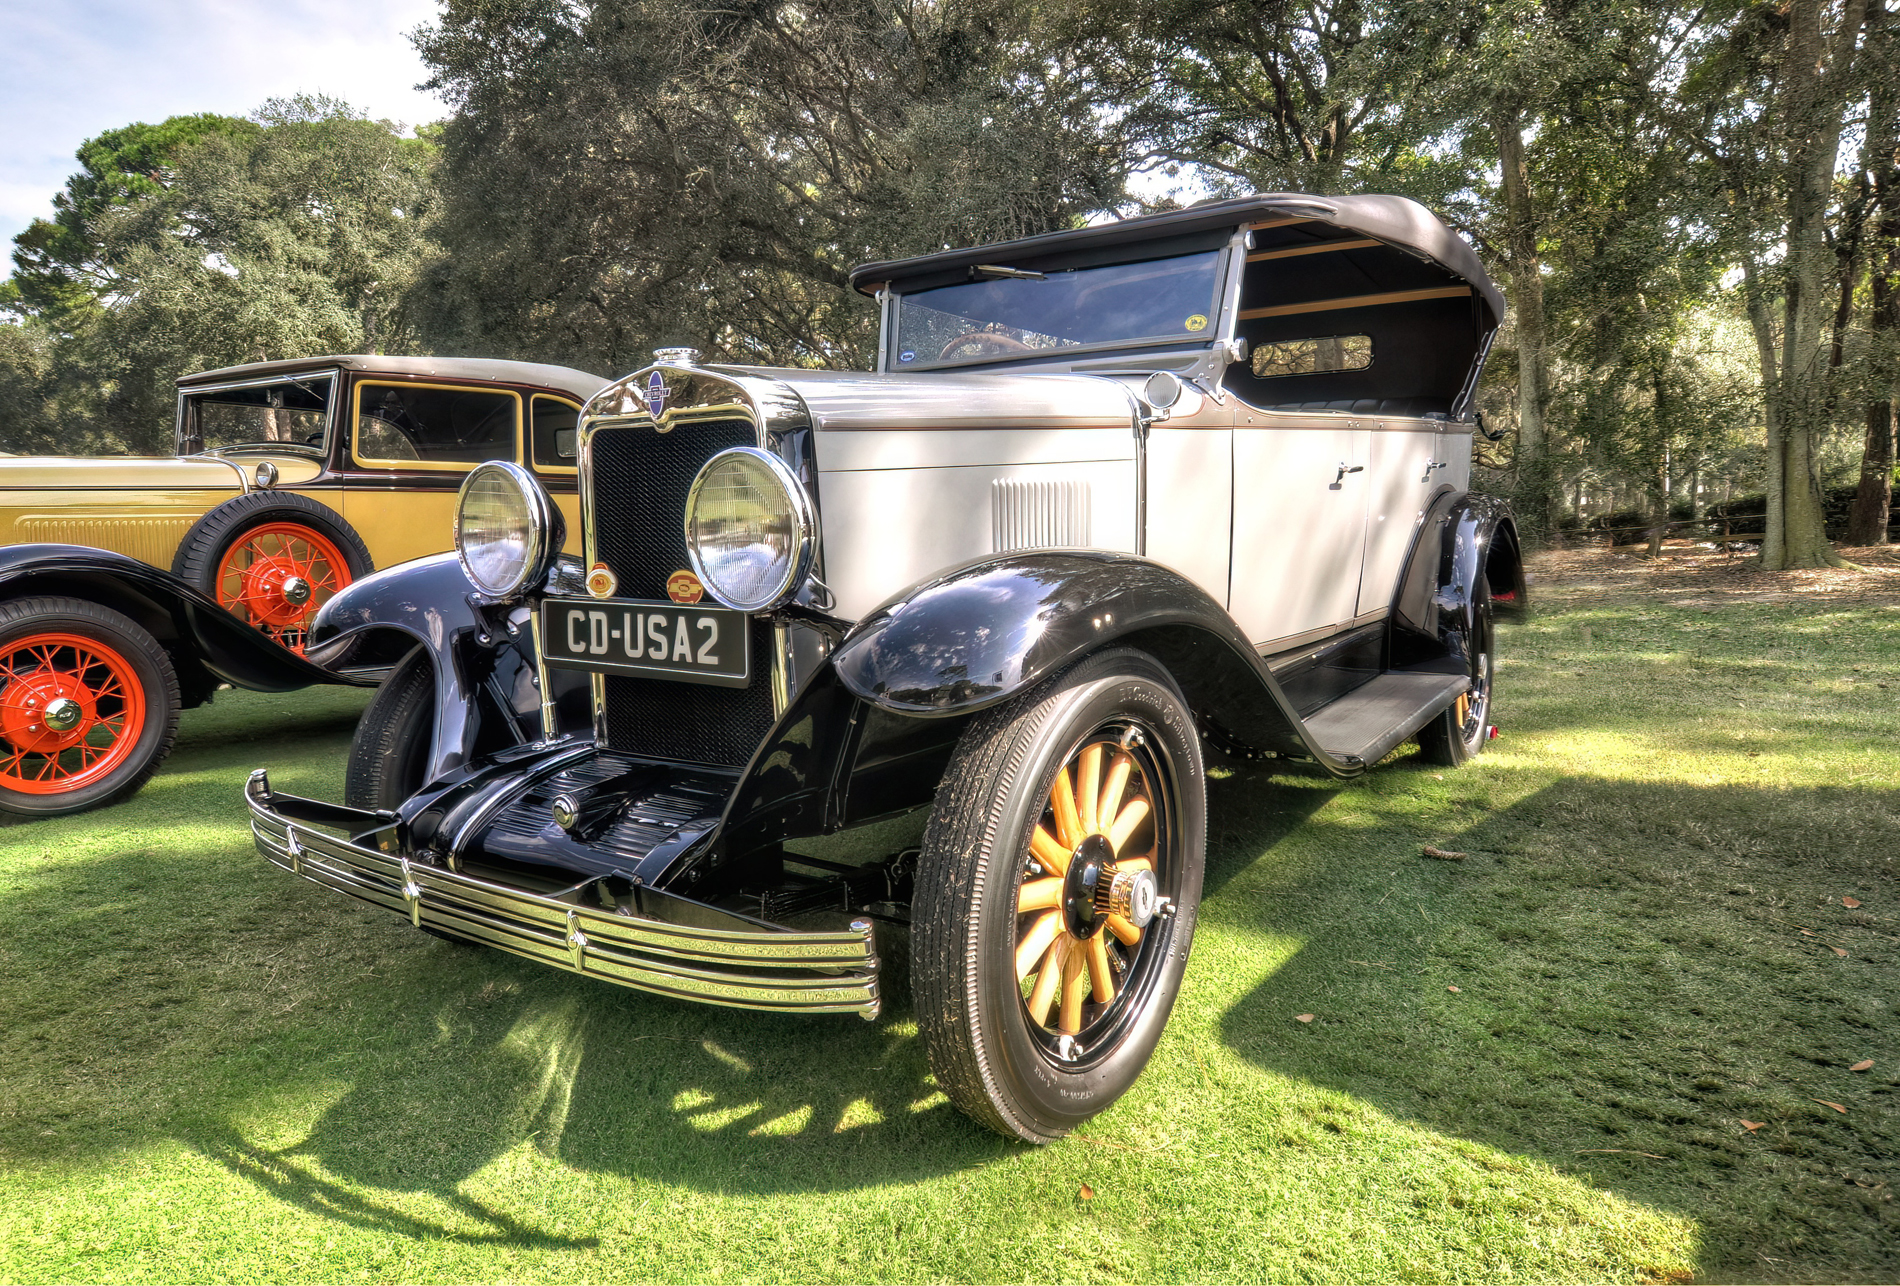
(997, 270)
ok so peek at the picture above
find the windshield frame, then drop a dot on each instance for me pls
(185, 430)
(1220, 309)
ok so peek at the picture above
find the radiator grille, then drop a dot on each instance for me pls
(1038, 515)
(640, 481)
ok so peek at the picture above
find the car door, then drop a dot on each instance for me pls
(1299, 524)
(1404, 466)
(411, 443)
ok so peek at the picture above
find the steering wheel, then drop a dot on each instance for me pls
(988, 339)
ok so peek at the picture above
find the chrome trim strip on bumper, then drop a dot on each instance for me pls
(790, 971)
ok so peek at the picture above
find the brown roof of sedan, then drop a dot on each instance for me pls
(565, 378)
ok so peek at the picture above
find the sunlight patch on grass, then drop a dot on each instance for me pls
(785, 1126)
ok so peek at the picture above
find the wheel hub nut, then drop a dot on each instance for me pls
(296, 590)
(1133, 895)
(1092, 857)
(62, 714)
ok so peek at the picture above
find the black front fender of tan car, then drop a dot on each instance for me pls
(486, 693)
(207, 644)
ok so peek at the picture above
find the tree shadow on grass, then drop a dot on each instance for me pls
(1614, 979)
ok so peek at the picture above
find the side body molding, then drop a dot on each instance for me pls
(485, 693)
(207, 643)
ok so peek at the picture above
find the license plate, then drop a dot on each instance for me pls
(652, 640)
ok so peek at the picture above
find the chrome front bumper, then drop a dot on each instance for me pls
(787, 971)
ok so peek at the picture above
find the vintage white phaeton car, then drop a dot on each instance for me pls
(1113, 496)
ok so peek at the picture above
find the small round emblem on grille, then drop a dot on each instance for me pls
(601, 581)
(684, 587)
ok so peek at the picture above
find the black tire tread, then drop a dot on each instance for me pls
(1440, 740)
(126, 636)
(944, 929)
(200, 552)
(385, 740)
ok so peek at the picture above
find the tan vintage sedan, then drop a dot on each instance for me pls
(291, 480)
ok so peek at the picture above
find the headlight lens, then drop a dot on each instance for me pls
(504, 529)
(749, 529)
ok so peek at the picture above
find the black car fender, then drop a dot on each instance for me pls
(1463, 540)
(978, 634)
(207, 644)
(481, 655)
(873, 726)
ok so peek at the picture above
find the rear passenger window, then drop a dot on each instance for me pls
(433, 426)
(555, 433)
(1312, 356)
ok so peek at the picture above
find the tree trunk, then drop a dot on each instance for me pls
(1815, 82)
(1527, 299)
(1867, 520)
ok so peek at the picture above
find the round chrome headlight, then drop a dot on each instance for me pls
(750, 531)
(506, 529)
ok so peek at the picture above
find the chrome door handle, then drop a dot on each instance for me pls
(1434, 464)
(1344, 469)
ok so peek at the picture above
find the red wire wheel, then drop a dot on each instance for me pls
(71, 712)
(275, 577)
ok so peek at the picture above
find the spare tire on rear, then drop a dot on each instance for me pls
(272, 558)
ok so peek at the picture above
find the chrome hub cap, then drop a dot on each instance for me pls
(62, 714)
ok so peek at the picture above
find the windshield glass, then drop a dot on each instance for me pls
(280, 414)
(1008, 316)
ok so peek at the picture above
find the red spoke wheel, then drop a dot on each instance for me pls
(275, 576)
(1056, 895)
(272, 559)
(88, 706)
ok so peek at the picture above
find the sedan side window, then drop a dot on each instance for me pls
(554, 430)
(434, 426)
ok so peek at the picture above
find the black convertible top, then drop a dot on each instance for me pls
(1395, 220)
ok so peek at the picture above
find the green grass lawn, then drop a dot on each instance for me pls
(1532, 1065)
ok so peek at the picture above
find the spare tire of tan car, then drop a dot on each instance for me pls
(271, 559)
(88, 706)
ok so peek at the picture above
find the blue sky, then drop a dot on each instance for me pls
(74, 68)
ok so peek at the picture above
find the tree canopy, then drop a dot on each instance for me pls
(1695, 214)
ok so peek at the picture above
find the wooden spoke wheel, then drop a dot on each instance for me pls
(1089, 891)
(1056, 895)
(277, 575)
(88, 706)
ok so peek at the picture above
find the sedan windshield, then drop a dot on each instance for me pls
(1009, 312)
(284, 413)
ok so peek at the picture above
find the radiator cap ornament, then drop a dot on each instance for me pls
(601, 581)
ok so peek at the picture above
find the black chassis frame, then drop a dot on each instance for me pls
(876, 714)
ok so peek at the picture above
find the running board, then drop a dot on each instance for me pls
(1363, 726)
